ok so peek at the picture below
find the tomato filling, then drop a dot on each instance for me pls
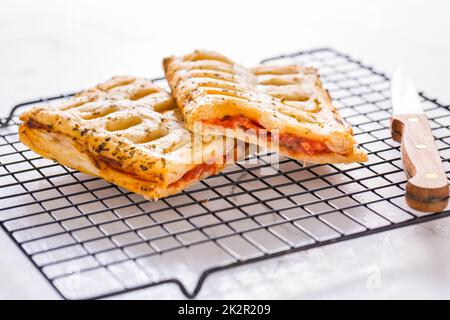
(288, 141)
(296, 144)
(238, 121)
(195, 173)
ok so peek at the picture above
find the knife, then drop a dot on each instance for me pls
(427, 188)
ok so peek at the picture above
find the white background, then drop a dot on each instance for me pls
(52, 47)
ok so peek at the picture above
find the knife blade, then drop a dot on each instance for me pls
(427, 188)
(404, 97)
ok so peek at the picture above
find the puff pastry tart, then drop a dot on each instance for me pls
(285, 104)
(129, 132)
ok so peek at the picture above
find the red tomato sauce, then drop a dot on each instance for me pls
(194, 173)
(289, 141)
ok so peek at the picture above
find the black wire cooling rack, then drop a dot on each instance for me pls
(91, 239)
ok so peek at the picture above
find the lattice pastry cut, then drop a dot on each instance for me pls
(129, 132)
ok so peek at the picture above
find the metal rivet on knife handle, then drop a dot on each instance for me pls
(431, 175)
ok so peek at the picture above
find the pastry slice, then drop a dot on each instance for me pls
(284, 108)
(129, 132)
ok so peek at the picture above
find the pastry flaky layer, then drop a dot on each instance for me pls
(284, 108)
(129, 132)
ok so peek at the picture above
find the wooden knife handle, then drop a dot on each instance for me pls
(427, 187)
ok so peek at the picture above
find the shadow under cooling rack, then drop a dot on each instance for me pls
(91, 239)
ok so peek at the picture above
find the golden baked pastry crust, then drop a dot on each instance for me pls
(290, 101)
(129, 132)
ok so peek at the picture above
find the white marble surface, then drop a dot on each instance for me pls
(50, 47)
